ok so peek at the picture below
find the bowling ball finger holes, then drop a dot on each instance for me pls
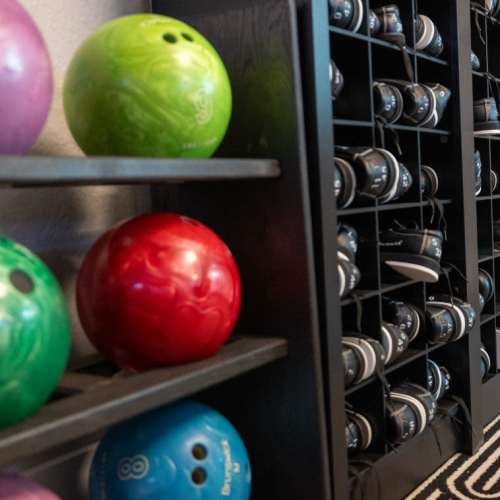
(168, 37)
(187, 37)
(21, 281)
(199, 452)
(199, 476)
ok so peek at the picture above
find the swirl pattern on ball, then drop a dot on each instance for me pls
(147, 85)
(158, 289)
(34, 332)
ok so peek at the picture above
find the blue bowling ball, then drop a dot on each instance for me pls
(186, 451)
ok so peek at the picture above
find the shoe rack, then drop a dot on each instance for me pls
(268, 379)
(488, 203)
(384, 469)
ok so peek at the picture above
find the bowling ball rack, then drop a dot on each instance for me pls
(19, 172)
(94, 393)
(268, 380)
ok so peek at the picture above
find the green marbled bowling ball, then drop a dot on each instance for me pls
(147, 85)
(34, 333)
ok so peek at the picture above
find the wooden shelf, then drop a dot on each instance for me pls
(94, 402)
(383, 43)
(26, 171)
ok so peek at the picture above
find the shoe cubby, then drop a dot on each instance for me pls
(354, 102)
(407, 13)
(448, 356)
(367, 313)
(480, 87)
(493, 46)
(495, 166)
(448, 150)
(367, 254)
(487, 270)
(436, 151)
(368, 401)
(489, 341)
(484, 228)
(388, 62)
(413, 294)
(414, 370)
(479, 32)
(496, 218)
(439, 16)
(487, 164)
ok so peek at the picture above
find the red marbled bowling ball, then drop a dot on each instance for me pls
(158, 289)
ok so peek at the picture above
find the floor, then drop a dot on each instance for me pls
(464, 477)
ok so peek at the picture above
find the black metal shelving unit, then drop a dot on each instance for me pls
(268, 379)
(449, 150)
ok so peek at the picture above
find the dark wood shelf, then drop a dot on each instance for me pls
(360, 295)
(397, 126)
(408, 356)
(388, 207)
(485, 258)
(369, 294)
(435, 347)
(351, 123)
(351, 34)
(25, 171)
(485, 318)
(422, 130)
(357, 387)
(383, 43)
(487, 137)
(392, 287)
(97, 401)
(356, 210)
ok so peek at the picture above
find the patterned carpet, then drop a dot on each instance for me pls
(464, 477)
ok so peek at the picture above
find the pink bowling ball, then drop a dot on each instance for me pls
(18, 488)
(26, 84)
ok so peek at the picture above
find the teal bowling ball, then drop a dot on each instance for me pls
(185, 451)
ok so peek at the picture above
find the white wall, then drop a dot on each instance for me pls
(60, 224)
(65, 24)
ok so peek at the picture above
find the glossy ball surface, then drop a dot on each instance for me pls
(19, 488)
(147, 85)
(34, 333)
(26, 84)
(180, 452)
(158, 289)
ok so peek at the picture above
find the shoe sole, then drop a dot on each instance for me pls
(415, 267)
(488, 131)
